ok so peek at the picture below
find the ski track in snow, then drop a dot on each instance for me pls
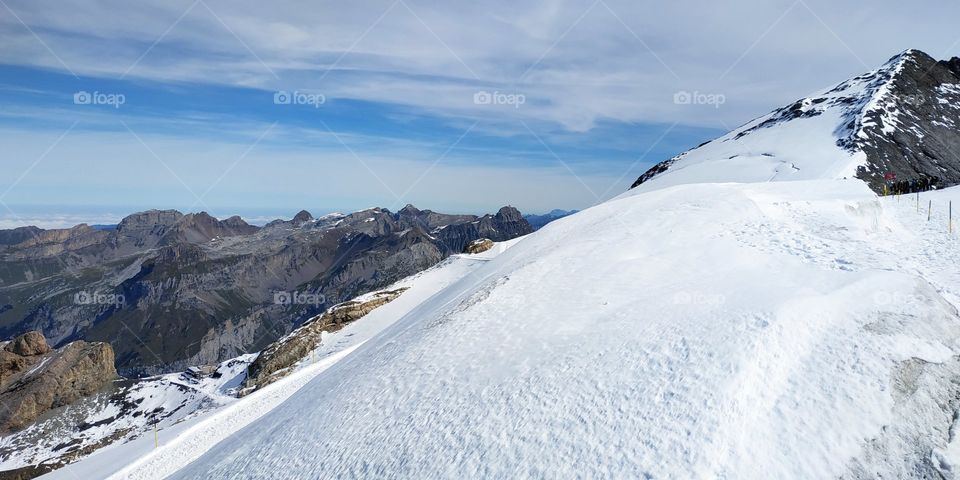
(781, 330)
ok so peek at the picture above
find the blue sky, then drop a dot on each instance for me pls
(586, 97)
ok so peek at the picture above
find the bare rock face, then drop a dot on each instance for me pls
(28, 344)
(273, 362)
(302, 217)
(478, 245)
(34, 378)
(506, 224)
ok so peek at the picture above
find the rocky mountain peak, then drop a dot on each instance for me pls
(908, 127)
(236, 222)
(896, 122)
(953, 65)
(302, 217)
(196, 219)
(409, 209)
(509, 214)
(149, 219)
(911, 54)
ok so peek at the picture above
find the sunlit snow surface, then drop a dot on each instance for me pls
(772, 330)
(788, 325)
(180, 443)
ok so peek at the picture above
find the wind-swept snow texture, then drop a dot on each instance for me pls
(183, 442)
(769, 330)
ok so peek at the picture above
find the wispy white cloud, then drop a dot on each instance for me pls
(580, 65)
(615, 63)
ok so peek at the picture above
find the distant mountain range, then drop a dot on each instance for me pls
(169, 290)
(538, 221)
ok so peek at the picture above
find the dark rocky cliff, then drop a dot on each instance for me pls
(914, 130)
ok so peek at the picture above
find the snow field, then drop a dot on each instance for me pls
(183, 442)
(790, 329)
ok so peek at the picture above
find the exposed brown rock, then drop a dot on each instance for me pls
(273, 362)
(30, 343)
(478, 245)
(35, 379)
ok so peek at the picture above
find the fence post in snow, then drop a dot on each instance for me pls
(950, 216)
(929, 206)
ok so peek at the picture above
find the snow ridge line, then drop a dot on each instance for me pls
(190, 444)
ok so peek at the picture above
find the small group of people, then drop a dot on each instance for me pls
(922, 184)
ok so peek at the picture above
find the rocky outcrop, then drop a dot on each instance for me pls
(34, 378)
(912, 130)
(274, 361)
(27, 345)
(478, 246)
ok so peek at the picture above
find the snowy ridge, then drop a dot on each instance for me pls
(183, 440)
(880, 103)
(766, 330)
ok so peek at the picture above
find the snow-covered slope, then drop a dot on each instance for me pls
(900, 119)
(767, 330)
(713, 322)
(203, 420)
(127, 411)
